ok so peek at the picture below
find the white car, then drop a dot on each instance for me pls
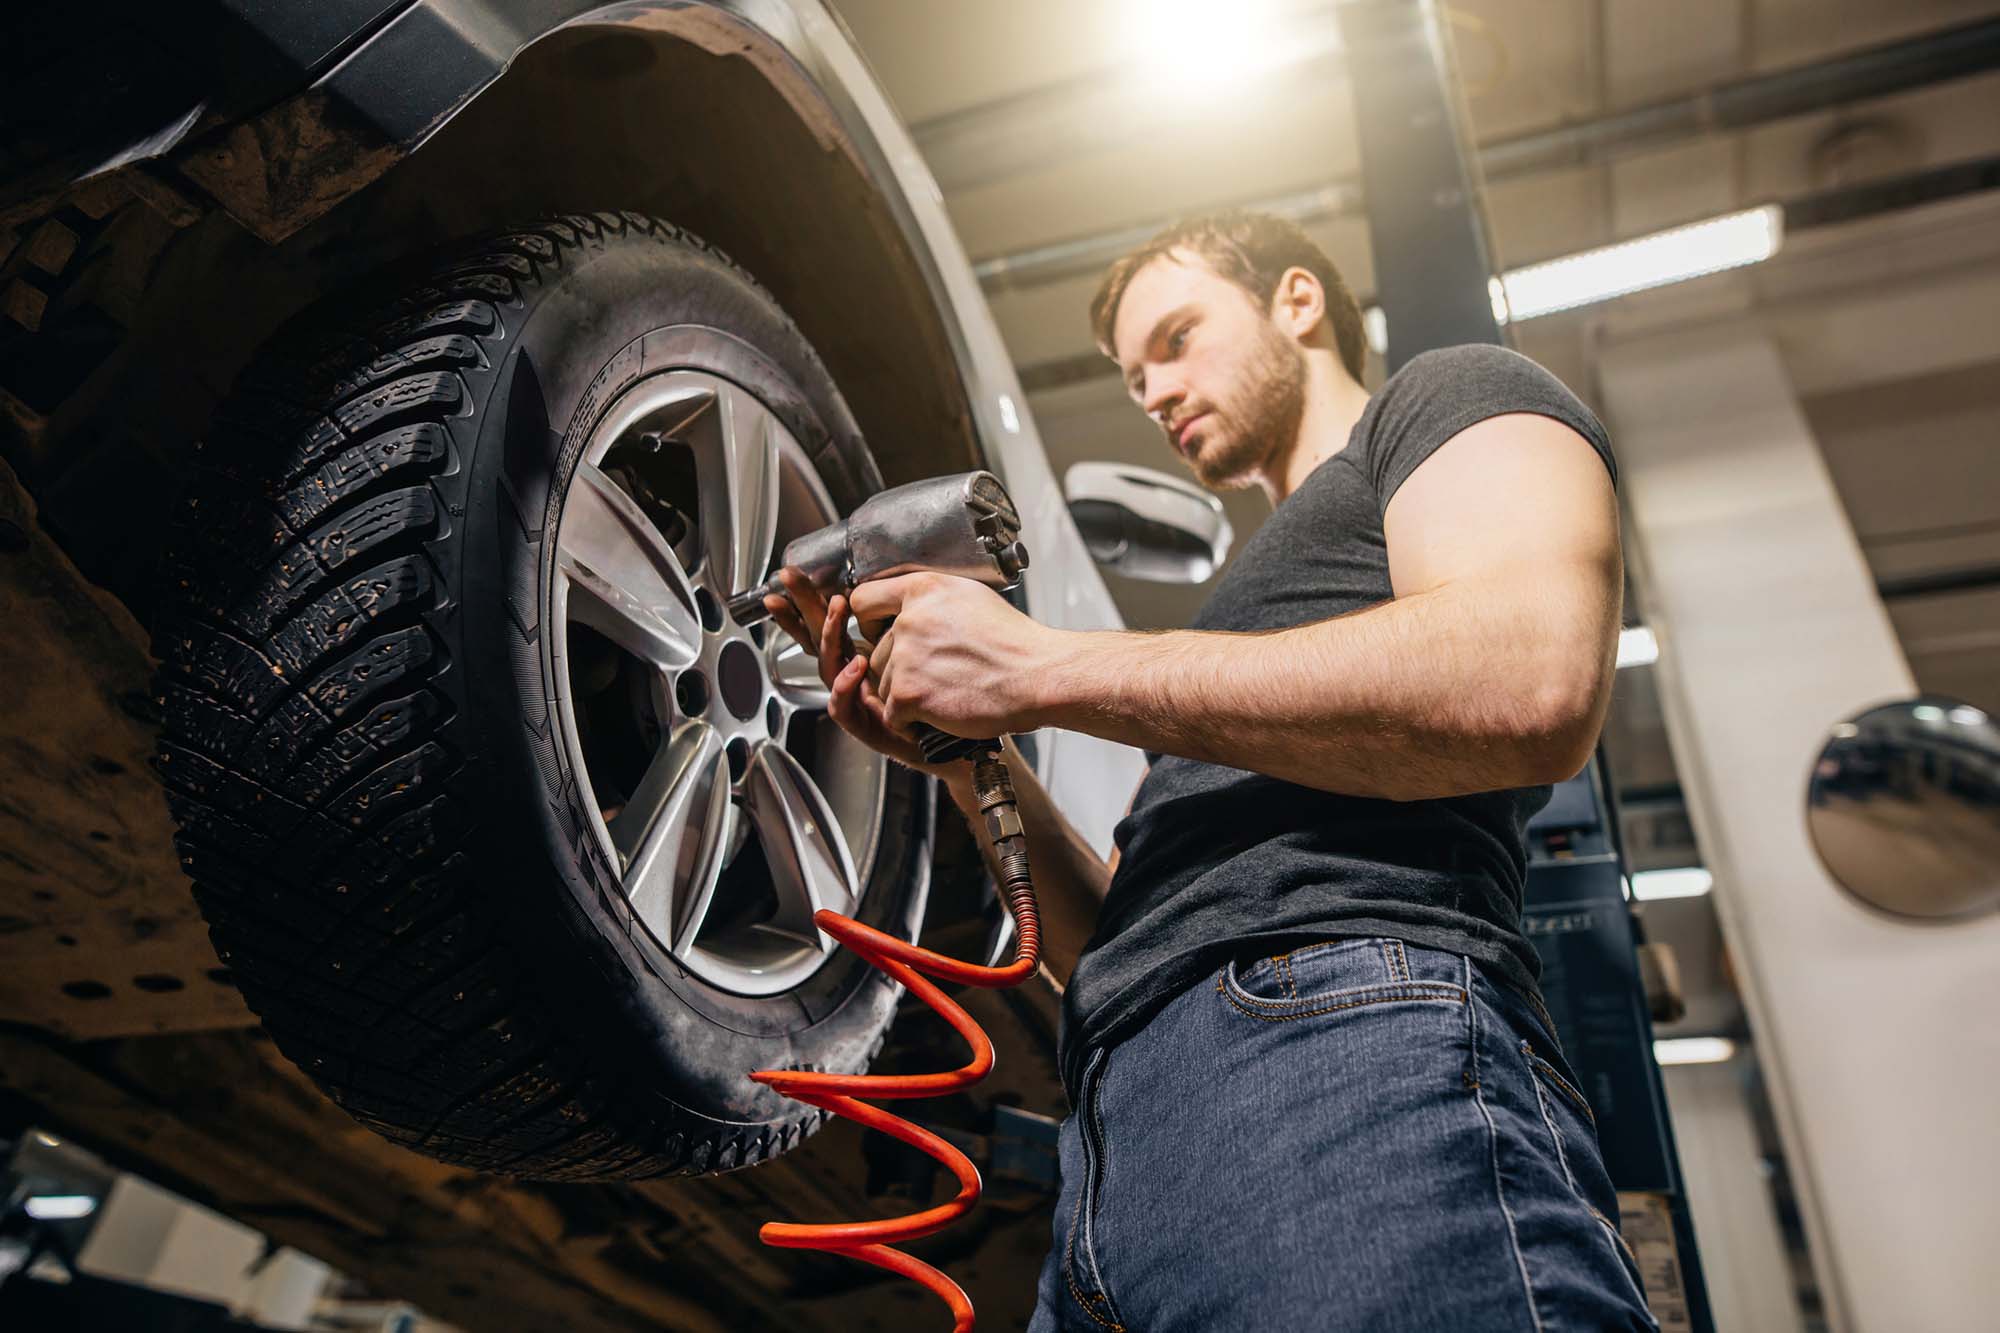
(489, 349)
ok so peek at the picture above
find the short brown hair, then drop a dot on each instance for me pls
(1252, 250)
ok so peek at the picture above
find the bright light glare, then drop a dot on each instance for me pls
(1693, 1050)
(1375, 327)
(1684, 882)
(1967, 716)
(1637, 647)
(1725, 242)
(1199, 47)
(60, 1207)
(1927, 713)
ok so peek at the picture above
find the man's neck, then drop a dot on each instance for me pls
(1333, 405)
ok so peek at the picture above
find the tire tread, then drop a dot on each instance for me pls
(304, 728)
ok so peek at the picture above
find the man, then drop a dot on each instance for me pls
(1314, 1086)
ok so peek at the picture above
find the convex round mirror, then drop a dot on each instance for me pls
(1904, 808)
(1146, 524)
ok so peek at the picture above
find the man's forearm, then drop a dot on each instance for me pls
(1070, 878)
(1425, 696)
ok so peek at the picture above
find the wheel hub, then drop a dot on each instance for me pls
(701, 766)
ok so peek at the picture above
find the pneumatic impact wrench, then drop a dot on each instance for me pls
(964, 525)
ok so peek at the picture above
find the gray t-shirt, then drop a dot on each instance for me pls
(1218, 862)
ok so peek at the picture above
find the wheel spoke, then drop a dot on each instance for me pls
(795, 673)
(806, 851)
(738, 461)
(624, 580)
(672, 834)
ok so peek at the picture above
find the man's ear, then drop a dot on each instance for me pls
(1298, 306)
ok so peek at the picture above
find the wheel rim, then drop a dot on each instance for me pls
(730, 806)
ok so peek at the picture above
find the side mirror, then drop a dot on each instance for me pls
(1146, 524)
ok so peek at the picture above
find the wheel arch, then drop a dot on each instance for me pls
(690, 112)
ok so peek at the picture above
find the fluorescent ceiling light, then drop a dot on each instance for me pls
(1637, 647)
(1685, 882)
(1693, 1050)
(1665, 257)
(60, 1207)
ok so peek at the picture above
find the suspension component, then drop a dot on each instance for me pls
(841, 1094)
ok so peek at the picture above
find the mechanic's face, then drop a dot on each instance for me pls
(1203, 360)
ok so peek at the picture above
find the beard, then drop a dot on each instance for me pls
(1256, 418)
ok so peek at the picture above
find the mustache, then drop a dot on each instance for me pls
(1172, 424)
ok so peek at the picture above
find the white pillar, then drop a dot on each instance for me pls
(1876, 1036)
(1743, 1259)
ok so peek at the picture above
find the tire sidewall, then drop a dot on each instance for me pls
(629, 307)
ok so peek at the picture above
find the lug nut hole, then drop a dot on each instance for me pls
(708, 609)
(691, 693)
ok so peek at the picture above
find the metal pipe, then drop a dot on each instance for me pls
(1821, 208)
(1876, 71)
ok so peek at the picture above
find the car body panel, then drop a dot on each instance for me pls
(372, 81)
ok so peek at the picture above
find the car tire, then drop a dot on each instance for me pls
(416, 725)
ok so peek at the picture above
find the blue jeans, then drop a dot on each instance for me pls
(1360, 1134)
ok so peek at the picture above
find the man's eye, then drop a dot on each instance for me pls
(1176, 341)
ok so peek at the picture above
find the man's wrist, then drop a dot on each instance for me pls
(1063, 681)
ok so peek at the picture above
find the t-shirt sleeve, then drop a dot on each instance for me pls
(1439, 393)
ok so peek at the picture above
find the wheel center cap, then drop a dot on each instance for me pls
(740, 680)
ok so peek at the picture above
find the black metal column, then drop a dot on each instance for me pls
(1424, 220)
(1433, 268)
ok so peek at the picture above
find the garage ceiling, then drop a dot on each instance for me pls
(1042, 127)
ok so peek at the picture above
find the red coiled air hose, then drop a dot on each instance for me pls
(872, 1242)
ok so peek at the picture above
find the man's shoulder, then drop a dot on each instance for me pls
(1486, 365)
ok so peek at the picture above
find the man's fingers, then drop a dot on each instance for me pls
(842, 703)
(811, 606)
(787, 619)
(883, 598)
(834, 649)
(872, 703)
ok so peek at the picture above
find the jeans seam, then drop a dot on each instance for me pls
(1284, 961)
(1618, 1238)
(1403, 993)
(1555, 1137)
(1087, 1193)
(1537, 1065)
(1563, 1155)
(1069, 1274)
(1493, 1152)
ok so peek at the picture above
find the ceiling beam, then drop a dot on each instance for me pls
(1739, 104)
(1823, 208)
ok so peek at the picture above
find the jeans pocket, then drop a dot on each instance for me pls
(1332, 977)
(1573, 1133)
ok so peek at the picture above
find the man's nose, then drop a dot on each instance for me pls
(1163, 393)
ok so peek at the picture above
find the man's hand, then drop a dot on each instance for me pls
(819, 625)
(958, 657)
